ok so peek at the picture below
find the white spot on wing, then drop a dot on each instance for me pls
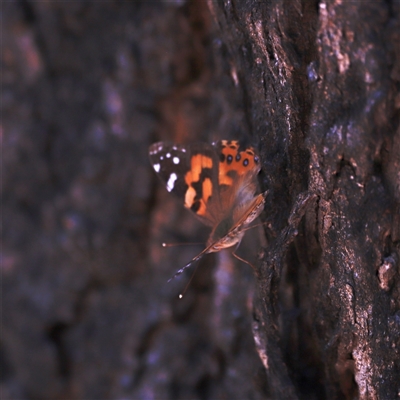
(175, 160)
(183, 150)
(156, 148)
(171, 181)
(168, 155)
(156, 167)
(161, 158)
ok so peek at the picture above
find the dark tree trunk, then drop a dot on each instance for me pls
(322, 79)
(87, 312)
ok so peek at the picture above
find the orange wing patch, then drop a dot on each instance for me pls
(235, 163)
(198, 163)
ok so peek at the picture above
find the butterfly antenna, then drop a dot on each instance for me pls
(187, 285)
(179, 244)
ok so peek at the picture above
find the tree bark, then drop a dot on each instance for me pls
(323, 100)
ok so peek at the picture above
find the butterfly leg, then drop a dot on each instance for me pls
(243, 260)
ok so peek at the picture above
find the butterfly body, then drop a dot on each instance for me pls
(217, 182)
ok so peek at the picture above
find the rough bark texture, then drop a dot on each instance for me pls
(87, 312)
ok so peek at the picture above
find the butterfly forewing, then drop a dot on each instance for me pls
(190, 173)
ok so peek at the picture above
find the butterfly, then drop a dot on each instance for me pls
(217, 182)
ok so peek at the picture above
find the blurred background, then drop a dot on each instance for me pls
(87, 310)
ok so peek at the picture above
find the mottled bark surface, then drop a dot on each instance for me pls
(87, 312)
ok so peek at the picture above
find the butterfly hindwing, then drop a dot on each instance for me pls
(238, 169)
(235, 161)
